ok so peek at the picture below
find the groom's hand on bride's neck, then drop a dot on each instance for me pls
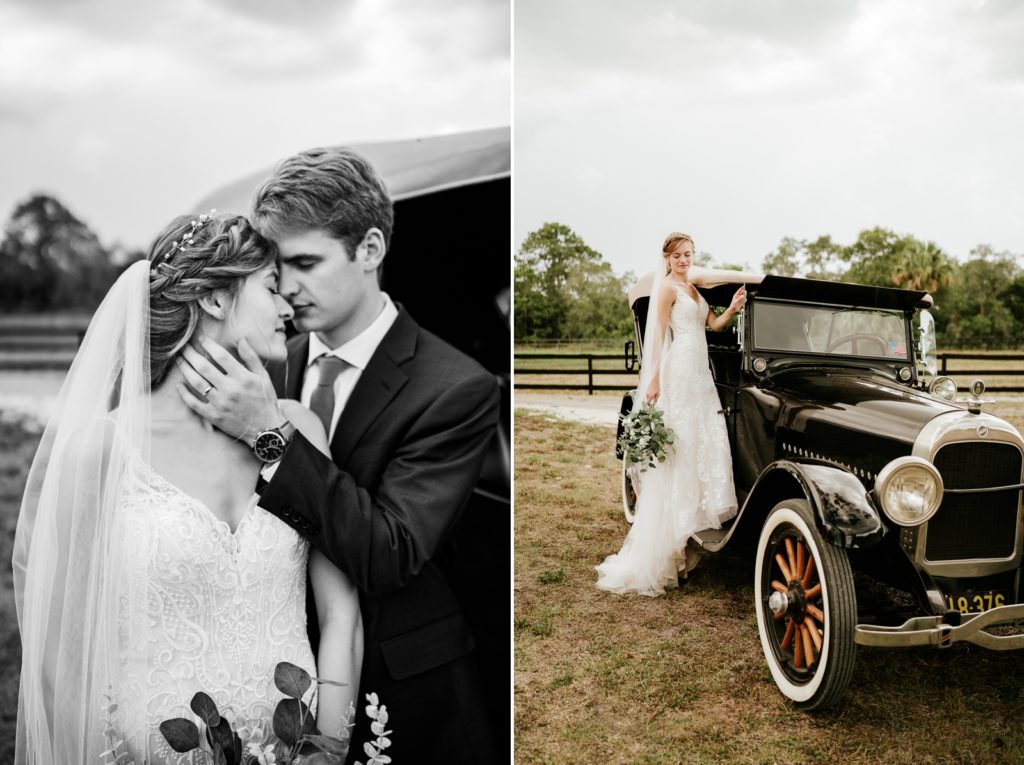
(234, 396)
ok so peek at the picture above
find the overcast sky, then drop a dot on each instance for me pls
(131, 112)
(742, 122)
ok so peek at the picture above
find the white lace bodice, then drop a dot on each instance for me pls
(693, 489)
(216, 611)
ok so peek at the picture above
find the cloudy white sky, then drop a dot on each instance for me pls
(745, 121)
(132, 112)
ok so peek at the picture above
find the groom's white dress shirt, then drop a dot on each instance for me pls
(355, 353)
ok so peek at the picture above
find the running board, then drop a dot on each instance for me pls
(714, 540)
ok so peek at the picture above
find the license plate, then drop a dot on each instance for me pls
(974, 602)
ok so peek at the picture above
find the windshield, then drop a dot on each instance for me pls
(844, 331)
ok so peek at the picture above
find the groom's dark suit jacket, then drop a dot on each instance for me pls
(407, 452)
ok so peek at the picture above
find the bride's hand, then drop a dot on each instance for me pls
(236, 397)
(653, 391)
(738, 300)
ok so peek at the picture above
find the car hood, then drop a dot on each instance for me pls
(858, 419)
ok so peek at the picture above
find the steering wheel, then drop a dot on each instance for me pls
(855, 339)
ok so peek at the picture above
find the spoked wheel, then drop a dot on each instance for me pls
(806, 608)
(628, 492)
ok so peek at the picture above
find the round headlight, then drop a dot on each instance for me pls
(760, 365)
(909, 489)
(904, 373)
(944, 388)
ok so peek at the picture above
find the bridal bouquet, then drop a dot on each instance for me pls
(298, 740)
(646, 440)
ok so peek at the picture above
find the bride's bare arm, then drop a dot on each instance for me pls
(337, 606)
(665, 299)
(718, 323)
(340, 657)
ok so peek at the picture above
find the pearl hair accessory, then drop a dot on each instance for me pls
(187, 239)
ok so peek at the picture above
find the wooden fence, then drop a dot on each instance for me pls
(566, 374)
(48, 342)
(40, 342)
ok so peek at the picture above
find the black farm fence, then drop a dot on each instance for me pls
(584, 371)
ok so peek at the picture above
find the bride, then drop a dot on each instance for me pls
(692, 489)
(144, 568)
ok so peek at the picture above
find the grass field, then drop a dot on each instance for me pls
(681, 679)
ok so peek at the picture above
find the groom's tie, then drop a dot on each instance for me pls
(322, 400)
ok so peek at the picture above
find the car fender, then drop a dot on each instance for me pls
(844, 511)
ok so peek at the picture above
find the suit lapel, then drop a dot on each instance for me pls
(379, 383)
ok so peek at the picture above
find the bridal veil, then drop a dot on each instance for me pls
(74, 602)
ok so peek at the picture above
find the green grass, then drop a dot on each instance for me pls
(681, 678)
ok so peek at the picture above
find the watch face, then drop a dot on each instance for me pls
(269, 446)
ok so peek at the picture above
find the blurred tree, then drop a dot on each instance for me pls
(51, 260)
(818, 259)
(886, 259)
(565, 289)
(982, 308)
(878, 256)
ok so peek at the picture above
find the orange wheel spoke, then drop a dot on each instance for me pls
(814, 592)
(816, 613)
(779, 616)
(788, 637)
(807, 574)
(798, 651)
(791, 556)
(812, 626)
(783, 567)
(801, 560)
(779, 586)
(808, 647)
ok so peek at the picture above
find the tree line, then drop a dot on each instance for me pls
(565, 289)
(52, 261)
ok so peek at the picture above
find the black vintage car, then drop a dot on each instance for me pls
(845, 460)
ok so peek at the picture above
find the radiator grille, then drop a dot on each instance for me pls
(975, 525)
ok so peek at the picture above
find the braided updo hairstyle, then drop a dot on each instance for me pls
(672, 241)
(218, 256)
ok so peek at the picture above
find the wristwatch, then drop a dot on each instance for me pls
(269, 445)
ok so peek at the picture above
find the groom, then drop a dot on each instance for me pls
(408, 418)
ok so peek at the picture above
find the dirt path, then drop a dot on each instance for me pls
(598, 409)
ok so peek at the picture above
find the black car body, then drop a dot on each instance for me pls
(844, 459)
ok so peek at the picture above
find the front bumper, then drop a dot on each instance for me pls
(936, 632)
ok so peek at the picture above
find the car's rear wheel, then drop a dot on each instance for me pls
(806, 607)
(628, 491)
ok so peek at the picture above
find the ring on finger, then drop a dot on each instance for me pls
(207, 391)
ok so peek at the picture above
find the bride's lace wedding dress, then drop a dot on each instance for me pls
(693, 489)
(218, 610)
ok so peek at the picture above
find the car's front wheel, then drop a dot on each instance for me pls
(806, 607)
(628, 491)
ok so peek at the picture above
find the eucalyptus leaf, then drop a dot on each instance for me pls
(206, 709)
(288, 721)
(181, 734)
(223, 739)
(291, 680)
(336, 683)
